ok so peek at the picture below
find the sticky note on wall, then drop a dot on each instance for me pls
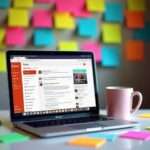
(2, 35)
(2, 61)
(111, 56)
(4, 4)
(15, 37)
(111, 33)
(135, 19)
(68, 46)
(87, 27)
(44, 37)
(41, 18)
(95, 5)
(64, 20)
(134, 50)
(18, 18)
(23, 3)
(114, 12)
(137, 5)
(94, 47)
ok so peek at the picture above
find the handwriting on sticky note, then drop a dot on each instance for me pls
(68, 46)
(2, 61)
(92, 47)
(87, 142)
(23, 4)
(18, 14)
(108, 35)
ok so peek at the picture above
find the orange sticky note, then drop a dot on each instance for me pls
(87, 142)
(134, 50)
(135, 19)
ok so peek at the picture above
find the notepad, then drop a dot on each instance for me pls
(23, 3)
(87, 142)
(138, 135)
(2, 61)
(13, 138)
(145, 115)
(68, 46)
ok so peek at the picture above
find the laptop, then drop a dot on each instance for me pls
(55, 93)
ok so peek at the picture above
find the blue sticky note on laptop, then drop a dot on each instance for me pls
(114, 12)
(87, 27)
(44, 37)
(110, 56)
(4, 4)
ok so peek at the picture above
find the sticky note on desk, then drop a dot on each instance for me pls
(145, 115)
(4, 4)
(138, 135)
(23, 3)
(2, 61)
(13, 138)
(64, 20)
(87, 142)
(108, 35)
(68, 46)
(18, 18)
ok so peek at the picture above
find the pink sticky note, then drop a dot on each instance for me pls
(94, 47)
(15, 37)
(69, 5)
(139, 135)
(41, 18)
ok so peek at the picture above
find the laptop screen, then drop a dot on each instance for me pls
(52, 84)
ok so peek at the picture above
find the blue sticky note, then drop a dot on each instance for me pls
(110, 56)
(114, 12)
(107, 136)
(44, 37)
(4, 4)
(87, 27)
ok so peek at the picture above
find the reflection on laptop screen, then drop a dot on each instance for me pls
(45, 84)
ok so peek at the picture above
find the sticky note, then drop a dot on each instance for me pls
(138, 135)
(41, 18)
(107, 136)
(15, 37)
(139, 5)
(95, 5)
(111, 56)
(44, 37)
(69, 6)
(2, 35)
(4, 4)
(94, 47)
(135, 19)
(114, 12)
(2, 61)
(134, 50)
(13, 138)
(87, 142)
(68, 46)
(87, 27)
(145, 115)
(18, 18)
(64, 20)
(111, 33)
(23, 3)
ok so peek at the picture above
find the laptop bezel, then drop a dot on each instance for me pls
(16, 118)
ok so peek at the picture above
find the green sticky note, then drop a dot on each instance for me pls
(13, 138)
(2, 61)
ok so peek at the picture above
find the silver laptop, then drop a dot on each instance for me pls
(55, 93)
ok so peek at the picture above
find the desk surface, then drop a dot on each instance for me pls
(60, 142)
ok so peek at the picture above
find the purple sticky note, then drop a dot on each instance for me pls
(15, 37)
(94, 47)
(139, 135)
(41, 18)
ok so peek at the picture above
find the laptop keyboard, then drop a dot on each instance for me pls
(63, 122)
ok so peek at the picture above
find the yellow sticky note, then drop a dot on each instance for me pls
(137, 5)
(95, 5)
(64, 20)
(18, 18)
(2, 61)
(146, 115)
(68, 46)
(23, 3)
(2, 34)
(111, 33)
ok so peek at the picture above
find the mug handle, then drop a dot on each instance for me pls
(140, 99)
